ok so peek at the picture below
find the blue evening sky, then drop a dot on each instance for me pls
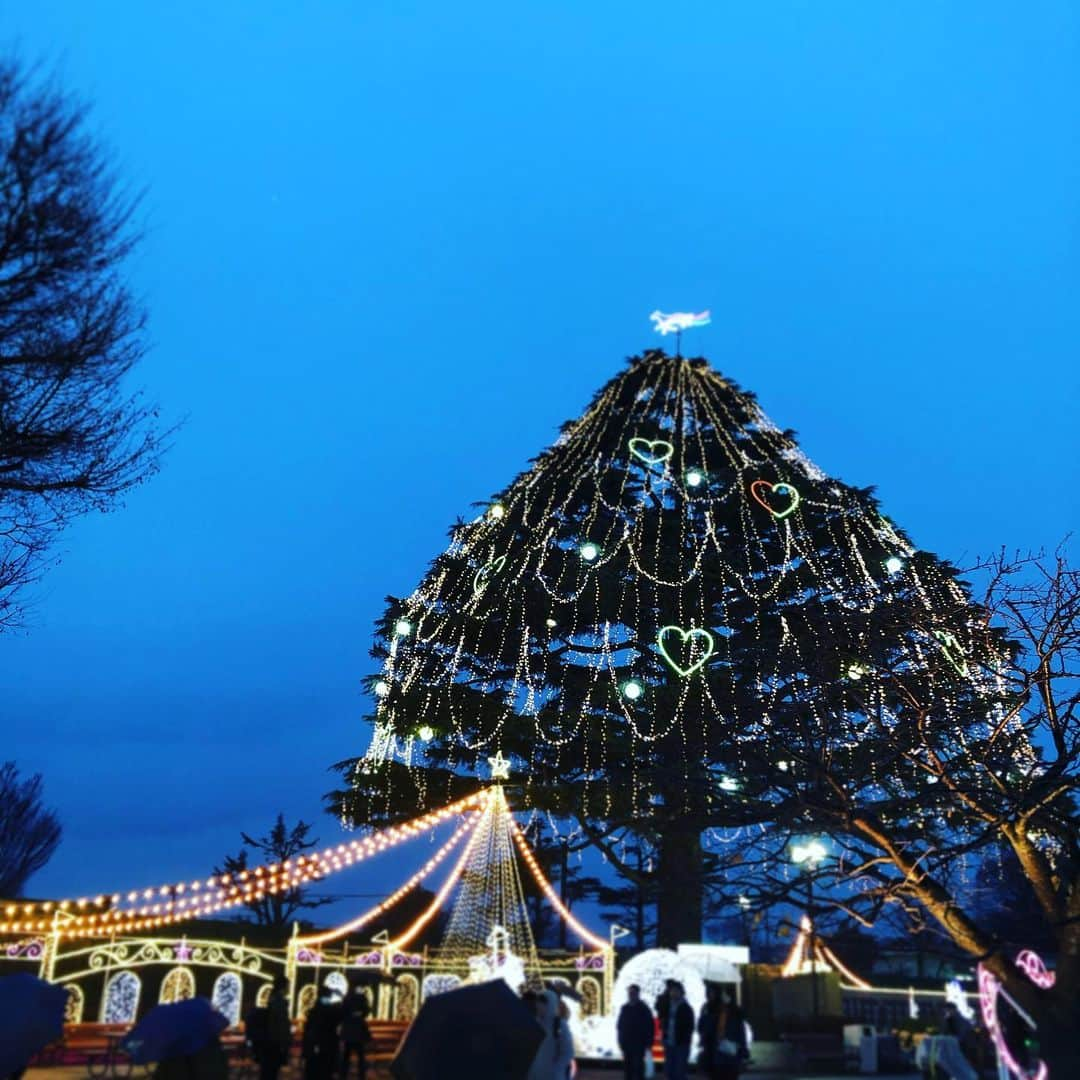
(392, 244)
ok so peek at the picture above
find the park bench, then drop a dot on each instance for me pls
(386, 1036)
(97, 1046)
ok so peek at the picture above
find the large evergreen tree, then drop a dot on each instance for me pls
(668, 624)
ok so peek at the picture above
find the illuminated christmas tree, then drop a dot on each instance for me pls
(666, 625)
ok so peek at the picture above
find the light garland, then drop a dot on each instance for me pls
(384, 906)
(490, 917)
(552, 896)
(801, 960)
(197, 899)
(440, 897)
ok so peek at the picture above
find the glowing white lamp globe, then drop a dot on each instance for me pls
(694, 478)
(589, 551)
(403, 628)
(382, 688)
(426, 734)
(632, 689)
(496, 510)
(894, 565)
(812, 852)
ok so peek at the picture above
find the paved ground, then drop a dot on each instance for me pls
(586, 1074)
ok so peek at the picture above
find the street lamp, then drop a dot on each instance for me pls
(745, 903)
(810, 855)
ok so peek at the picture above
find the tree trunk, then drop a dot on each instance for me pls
(1059, 1046)
(639, 902)
(680, 886)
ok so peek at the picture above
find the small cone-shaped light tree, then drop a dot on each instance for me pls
(669, 591)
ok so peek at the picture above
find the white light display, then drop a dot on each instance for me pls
(650, 969)
(677, 321)
(226, 996)
(121, 999)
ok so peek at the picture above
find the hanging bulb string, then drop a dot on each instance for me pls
(217, 893)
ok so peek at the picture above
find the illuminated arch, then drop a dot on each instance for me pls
(589, 989)
(73, 1007)
(179, 985)
(228, 990)
(262, 998)
(306, 1000)
(406, 997)
(121, 1000)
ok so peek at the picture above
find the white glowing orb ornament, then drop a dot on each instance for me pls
(649, 970)
(589, 552)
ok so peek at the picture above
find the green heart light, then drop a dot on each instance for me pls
(685, 636)
(486, 572)
(775, 489)
(953, 650)
(651, 451)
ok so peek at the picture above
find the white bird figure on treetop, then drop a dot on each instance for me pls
(678, 321)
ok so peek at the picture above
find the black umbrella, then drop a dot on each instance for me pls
(31, 1017)
(476, 1031)
(176, 1030)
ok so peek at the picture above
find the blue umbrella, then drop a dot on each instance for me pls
(31, 1017)
(169, 1031)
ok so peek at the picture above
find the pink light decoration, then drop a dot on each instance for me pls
(989, 988)
(1031, 964)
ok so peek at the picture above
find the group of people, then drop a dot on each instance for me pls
(720, 1028)
(335, 1032)
(555, 1056)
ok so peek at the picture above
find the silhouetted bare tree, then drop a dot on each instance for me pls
(29, 833)
(281, 843)
(73, 437)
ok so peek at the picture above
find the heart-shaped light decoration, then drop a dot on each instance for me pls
(695, 634)
(953, 650)
(651, 451)
(486, 572)
(785, 491)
